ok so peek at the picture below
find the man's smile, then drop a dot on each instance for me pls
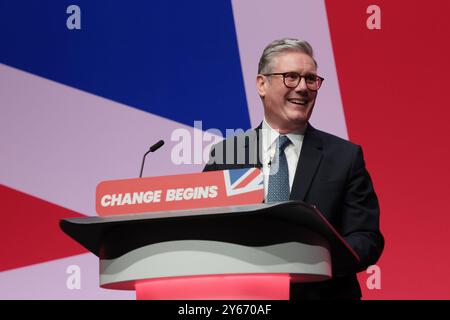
(298, 101)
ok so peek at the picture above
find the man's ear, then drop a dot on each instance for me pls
(261, 85)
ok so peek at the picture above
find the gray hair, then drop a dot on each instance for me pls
(282, 45)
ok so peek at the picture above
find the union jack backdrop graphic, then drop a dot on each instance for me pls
(82, 106)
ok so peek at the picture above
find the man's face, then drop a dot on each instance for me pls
(287, 109)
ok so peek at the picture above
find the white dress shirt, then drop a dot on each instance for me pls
(292, 152)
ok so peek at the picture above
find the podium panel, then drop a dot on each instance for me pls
(221, 287)
(241, 252)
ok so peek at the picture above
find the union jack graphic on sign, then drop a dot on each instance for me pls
(240, 181)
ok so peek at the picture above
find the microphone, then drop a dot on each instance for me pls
(156, 146)
(153, 148)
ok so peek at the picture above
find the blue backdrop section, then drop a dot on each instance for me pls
(177, 59)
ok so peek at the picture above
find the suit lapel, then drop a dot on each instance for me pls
(309, 161)
(253, 148)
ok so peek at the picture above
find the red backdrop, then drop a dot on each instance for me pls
(394, 86)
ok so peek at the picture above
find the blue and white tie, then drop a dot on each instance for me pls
(278, 189)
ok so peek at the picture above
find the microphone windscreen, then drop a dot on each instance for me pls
(157, 145)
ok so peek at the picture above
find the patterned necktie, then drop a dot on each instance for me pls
(278, 189)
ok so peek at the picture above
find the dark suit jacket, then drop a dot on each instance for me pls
(330, 174)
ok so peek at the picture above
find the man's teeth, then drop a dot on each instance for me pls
(298, 101)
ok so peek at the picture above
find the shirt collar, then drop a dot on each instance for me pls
(271, 135)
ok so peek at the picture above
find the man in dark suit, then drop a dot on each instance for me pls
(300, 162)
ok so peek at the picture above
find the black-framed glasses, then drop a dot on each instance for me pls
(292, 80)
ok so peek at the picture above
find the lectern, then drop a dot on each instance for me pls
(238, 252)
